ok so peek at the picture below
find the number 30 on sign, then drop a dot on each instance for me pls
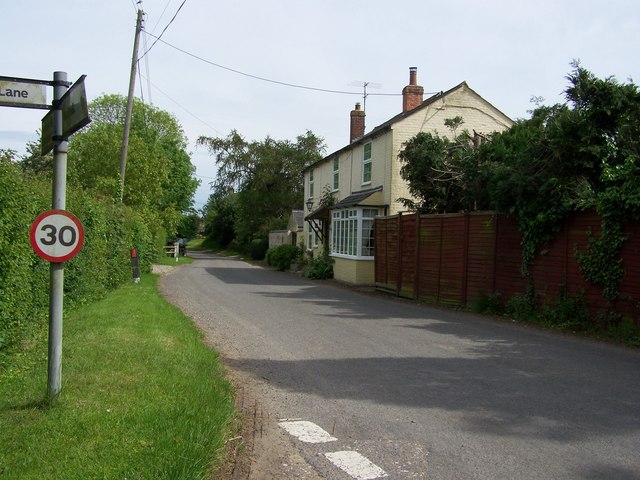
(56, 235)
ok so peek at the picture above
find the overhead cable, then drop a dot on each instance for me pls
(263, 79)
(163, 30)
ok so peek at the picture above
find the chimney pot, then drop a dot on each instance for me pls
(413, 74)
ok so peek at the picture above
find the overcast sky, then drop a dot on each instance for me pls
(506, 51)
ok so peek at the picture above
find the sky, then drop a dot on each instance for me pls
(272, 68)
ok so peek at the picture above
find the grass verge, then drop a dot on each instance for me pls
(168, 260)
(142, 397)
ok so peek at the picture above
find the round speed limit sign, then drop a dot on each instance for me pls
(56, 235)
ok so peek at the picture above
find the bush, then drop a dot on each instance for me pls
(25, 277)
(280, 257)
(111, 231)
(320, 268)
(258, 249)
(522, 306)
(568, 312)
(489, 304)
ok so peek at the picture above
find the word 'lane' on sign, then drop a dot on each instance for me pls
(56, 235)
(22, 94)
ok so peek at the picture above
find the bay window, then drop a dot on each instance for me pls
(352, 232)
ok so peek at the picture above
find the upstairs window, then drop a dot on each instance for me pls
(310, 183)
(336, 174)
(366, 164)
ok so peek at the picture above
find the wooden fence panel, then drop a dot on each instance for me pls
(481, 259)
(409, 245)
(429, 264)
(453, 261)
(577, 230)
(456, 259)
(508, 278)
(629, 302)
(386, 246)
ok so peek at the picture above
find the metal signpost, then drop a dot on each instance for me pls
(56, 235)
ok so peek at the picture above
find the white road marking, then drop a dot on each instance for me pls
(307, 432)
(356, 465)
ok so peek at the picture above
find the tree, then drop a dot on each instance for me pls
(442, 174)
(7, 155)
(220, 218)
(159, 174)
(266, 177)
(574, 156)
(34, 162)
(189, 225)
(584, 154)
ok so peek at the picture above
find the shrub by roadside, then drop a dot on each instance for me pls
(282, 256)
(111, 231)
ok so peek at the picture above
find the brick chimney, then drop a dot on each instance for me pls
(412, 94)
(357, 123)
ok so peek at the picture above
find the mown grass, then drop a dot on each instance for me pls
(168, 260)
(142, 397)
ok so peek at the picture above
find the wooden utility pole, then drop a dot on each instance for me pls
(127, 119)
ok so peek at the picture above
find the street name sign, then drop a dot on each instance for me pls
(75, 115)
(23, 93)
(56, 235)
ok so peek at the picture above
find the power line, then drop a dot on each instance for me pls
(182, 107)
(161, 15)
(263, 79)
(163, 30)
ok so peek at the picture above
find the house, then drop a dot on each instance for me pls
(295, 227)
(347, 189)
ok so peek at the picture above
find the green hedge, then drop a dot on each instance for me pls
(111, 231)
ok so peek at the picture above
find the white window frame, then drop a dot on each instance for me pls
(310, 183)
(336, 174)
(366, 162)
(312, 239)
(347, 228)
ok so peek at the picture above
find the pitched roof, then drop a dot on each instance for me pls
(386, 125)
(401, 116)
(298, 217)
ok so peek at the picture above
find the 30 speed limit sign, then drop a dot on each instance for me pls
(56, 235)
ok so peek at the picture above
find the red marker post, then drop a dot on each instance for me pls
(135, 266)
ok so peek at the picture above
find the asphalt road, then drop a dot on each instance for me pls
(420, 392)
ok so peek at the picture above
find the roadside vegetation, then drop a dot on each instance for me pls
(155, 207)
(142, 396)
(258, 184)
(577, 156)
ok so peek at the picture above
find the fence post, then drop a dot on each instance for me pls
(565, 259)
(416, 277)
(465, 259)
(399, 256)
(495, 252)
(439, 280)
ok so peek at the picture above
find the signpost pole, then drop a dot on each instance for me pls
(57, 269)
